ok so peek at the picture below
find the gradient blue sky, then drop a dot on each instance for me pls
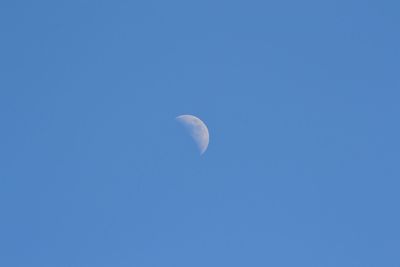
(301, 99)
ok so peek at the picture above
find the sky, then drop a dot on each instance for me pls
(301, 99)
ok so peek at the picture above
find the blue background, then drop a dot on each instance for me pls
(301, 99)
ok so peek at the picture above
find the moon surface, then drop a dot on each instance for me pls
(197, 129)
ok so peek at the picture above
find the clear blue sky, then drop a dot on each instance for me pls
(301, 99)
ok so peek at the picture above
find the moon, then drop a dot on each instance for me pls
(197, 129)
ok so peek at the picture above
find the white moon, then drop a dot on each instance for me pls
(197, 129)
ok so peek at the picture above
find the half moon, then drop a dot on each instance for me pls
(197, 129)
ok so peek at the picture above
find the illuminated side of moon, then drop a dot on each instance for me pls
(197, 129)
